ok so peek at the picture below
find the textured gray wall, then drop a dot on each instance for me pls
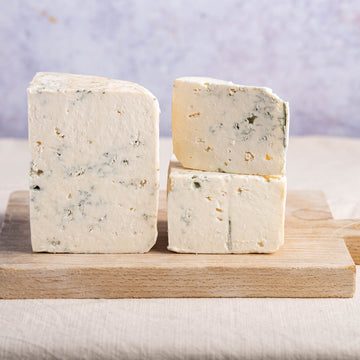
(307, 51)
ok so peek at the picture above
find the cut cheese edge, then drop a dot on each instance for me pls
(224, 127)
(211, 212)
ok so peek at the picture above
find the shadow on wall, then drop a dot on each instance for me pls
(307, 52)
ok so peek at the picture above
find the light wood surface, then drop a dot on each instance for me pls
(314, 262)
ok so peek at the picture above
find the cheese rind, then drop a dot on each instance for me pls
(210, 212)
(224, 127)
(94, 178)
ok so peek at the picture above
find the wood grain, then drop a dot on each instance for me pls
(314, 262)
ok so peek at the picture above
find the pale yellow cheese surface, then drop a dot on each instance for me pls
(224, 127)
(94, 178)
(211, 212)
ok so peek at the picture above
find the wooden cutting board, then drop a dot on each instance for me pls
(314, 262)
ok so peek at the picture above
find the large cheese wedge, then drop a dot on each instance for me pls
(94, 178)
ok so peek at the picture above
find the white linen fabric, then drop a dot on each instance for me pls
(195, 328)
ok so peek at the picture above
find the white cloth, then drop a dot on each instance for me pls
(195, 328)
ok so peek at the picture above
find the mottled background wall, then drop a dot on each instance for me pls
(307, 51)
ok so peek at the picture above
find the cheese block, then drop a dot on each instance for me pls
(211, 212)
(220, 126)
(94, 177)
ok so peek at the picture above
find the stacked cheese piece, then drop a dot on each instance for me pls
(227, 192)
(94, 178)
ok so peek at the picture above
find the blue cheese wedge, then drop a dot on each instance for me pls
(224, 127)
(94, 178)
(211, 212)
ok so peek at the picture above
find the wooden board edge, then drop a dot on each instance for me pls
(353, 245)
(14, 198)
(179, 283)
(349, 230)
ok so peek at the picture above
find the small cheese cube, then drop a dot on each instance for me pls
(220, 126)
(211, 212)
(94, 178)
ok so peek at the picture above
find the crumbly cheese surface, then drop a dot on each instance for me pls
(94, 177)
(210, 212)
(224, 127)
